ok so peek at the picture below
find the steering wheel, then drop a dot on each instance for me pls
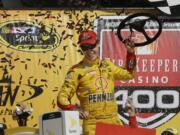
(139, 24)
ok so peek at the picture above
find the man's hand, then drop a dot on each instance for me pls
(129, 44)
(130, 107)
(83, 114)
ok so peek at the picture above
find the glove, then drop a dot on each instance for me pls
(130, 61)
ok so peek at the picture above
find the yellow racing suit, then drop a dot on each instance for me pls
(93, 83)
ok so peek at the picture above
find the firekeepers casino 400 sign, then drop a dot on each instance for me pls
(155, 89)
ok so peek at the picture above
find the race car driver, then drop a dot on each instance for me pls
(93, 82)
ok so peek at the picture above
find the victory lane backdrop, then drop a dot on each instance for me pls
(33, 66)
(37, 48)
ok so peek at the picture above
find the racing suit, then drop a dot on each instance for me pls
(93, 83)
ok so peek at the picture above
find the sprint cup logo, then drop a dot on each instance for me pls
(28, 36)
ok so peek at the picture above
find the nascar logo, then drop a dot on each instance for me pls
(28, 36)
(170, 7)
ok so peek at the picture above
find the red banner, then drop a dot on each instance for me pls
(155, 90)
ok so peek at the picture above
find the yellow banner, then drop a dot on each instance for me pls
(36, 50)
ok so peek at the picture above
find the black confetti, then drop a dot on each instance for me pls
(1, 53)
(12, 67)
(80, 51)
(23, 62)
(31, 14)
(16, 59)
(35, 125)
(63, 57)
(43, 80)
(64, 47)
(28, 59)
(63, 32)
(54, 90)
(54, 58)
(31, 105)
(30, 93)
(4, 120)
(68, 35)
(39, 61)
(74, 45)
(8, 55)
(25, 66)
(53, 65)
(23, 92)
(35, 81)
(32, 117)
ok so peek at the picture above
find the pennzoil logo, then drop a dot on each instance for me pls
(28, 36)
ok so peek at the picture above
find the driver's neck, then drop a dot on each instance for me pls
(90, 61)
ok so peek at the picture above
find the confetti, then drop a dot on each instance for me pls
(31, 105)
(43, 80)
(39, 61)
(1, 53)
(64, 47)
(28, 59)
(35, 125)
(35, 81)
(31, 14)
(26, 66)
(44, 65)
(12, 67)
(80, 51)
(30, 93)
(52, 64)
(23, 92)
(4, 120)
(8, 55)
(54, 90)
(63, 57)
(16, 59)
(54, 58)
(23, 62)
(68, 36)
(74, 45)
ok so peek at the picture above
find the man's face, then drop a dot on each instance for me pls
(91, 52)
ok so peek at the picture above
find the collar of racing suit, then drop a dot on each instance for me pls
(90, 62)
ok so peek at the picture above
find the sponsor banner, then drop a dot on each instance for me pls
(155, 67)
(37, 48)
(155, 89)
(28, 36)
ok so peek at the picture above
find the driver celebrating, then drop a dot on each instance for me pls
(93, 82)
